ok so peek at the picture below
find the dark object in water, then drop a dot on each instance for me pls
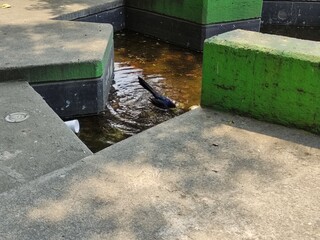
(158, 99)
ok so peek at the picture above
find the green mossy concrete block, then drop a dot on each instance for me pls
(202, 11)
(54, 51)
(268, 77)
(185, 9)
(216, 11)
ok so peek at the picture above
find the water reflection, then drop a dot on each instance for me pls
(173, 71)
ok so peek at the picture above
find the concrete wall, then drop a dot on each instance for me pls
(291, 12)
(231, 10)
(202, 11)
(272, 78)
(185, 9)
(188, 23)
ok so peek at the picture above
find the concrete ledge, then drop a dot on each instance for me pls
(203, 175)
(180, 32)
(70, 99)
(54, 51)
(96, 7)
(36, 146)
(115, 17)
(272, 78)
(296, 13)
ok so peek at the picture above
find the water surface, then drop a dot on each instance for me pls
(173, 71)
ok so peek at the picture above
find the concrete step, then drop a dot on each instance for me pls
(203, 175)
(39, 145)
(69, 63)
(54, 51)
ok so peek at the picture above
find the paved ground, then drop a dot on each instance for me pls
(203, 175)
(41, 10)
(37, 146)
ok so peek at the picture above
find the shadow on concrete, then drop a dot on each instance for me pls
(49, 44)
(290, 134)
(60, 7)
(192, 181)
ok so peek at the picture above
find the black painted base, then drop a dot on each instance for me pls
(82, 97)
(180, 32)
(296, 13)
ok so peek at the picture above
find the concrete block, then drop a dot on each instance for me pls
(202, 11)
(188, 23)
(75, 98)
(218, 11)
(268, 77)
(34, 147)
(54, 51)
(178, 31)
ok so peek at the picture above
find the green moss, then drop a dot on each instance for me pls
(231, 10)
(69, 71)
(202, 11)
(281, 86)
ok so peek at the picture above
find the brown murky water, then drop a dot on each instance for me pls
(173, 71)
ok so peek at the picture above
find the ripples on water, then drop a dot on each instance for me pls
(173, 71)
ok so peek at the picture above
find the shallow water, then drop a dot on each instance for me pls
(173, 71)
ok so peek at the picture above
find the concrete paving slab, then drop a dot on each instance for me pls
(40, 144)
(54, 51)
(41, 10)
(203, 175)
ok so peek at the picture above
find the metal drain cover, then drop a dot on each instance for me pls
(17, 117)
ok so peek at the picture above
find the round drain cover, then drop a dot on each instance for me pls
(17, 117)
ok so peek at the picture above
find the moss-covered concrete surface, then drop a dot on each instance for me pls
(231, 10)
(269, 77)
(203, 11)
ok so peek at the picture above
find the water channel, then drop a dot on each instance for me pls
(174, 71)
(171, 70)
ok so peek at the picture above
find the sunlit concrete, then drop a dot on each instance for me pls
(39, 145)
(42, 10)
(203, 175)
